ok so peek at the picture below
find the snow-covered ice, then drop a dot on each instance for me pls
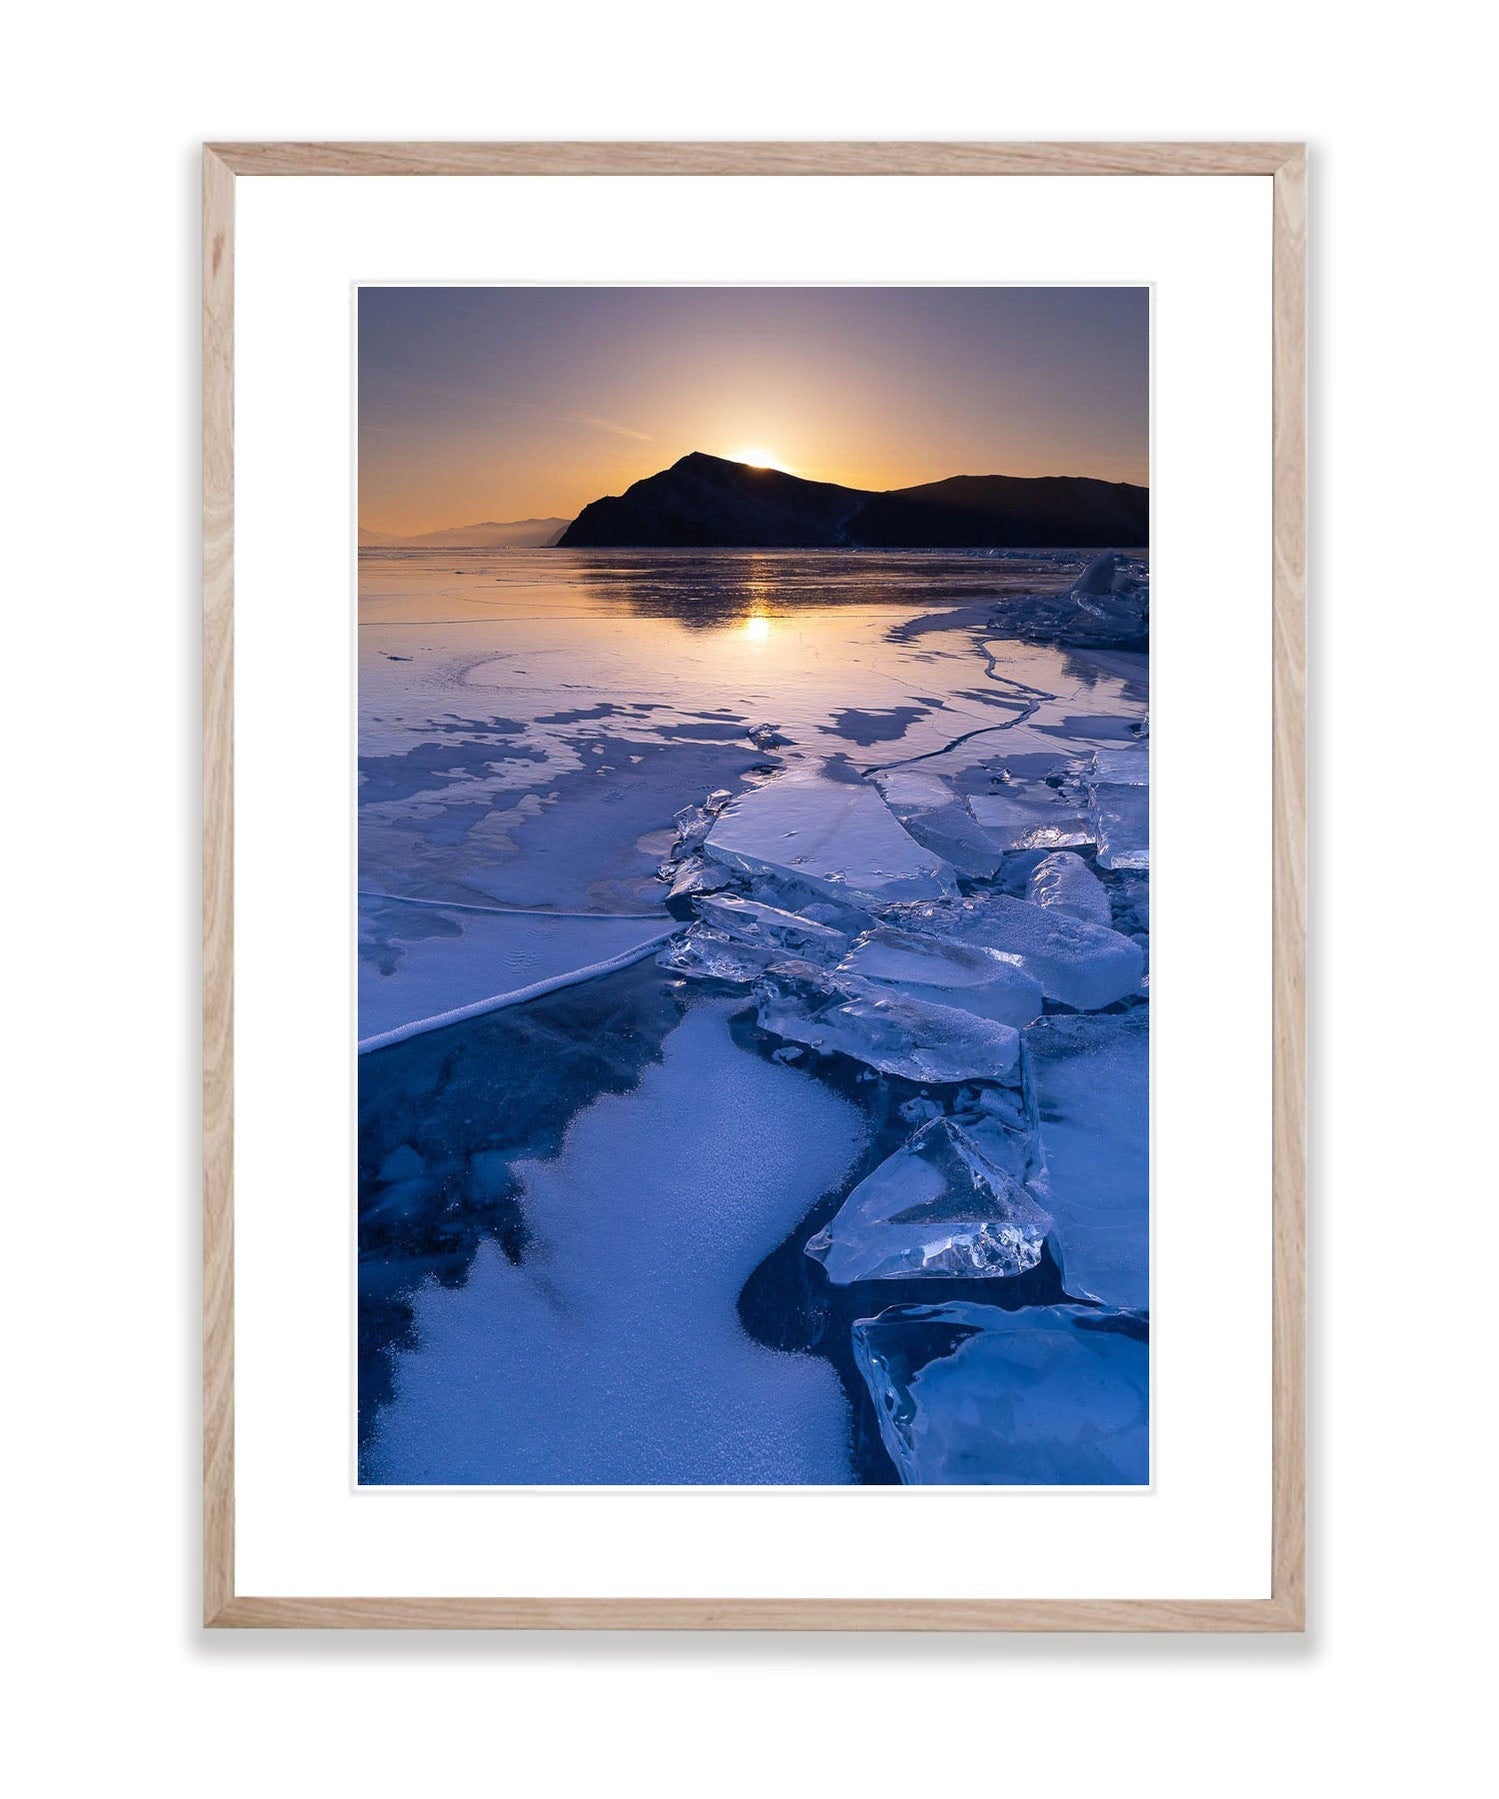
(837, 838)
(940, 1207)
(1045, 1396)
(945, 974)
(612, 1353)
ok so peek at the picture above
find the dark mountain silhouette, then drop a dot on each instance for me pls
(705, 502)
(1011, 512)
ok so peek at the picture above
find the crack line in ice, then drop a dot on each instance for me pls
(497, 1002)
(1032, 699)
(401, 899)
(879, 768)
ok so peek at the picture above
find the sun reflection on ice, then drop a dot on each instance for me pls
(757, 627)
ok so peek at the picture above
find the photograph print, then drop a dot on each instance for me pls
(753, 886)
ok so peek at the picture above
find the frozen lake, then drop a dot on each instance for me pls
(585, 1182)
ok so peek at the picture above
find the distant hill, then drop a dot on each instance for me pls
(707, 502)
(518, 534)
(1011, 512)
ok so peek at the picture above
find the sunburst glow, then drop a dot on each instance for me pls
(757, 457)
(757, 627)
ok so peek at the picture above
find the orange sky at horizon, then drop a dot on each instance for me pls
(510, 403)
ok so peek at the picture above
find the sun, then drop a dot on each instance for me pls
(757, 457)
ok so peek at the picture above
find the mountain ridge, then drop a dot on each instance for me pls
(705, 502)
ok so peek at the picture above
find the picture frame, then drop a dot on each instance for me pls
(1283, 165)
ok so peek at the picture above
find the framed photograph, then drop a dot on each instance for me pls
(717, 657)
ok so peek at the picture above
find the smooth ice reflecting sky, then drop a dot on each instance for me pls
(531, 719)
(509, 403)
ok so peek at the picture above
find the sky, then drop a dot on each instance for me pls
(503, 403)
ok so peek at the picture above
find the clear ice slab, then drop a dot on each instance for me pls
(1119, 806)
(692, 875)
(1126, 766)
(837, 838)
(969, 1395)
(937, 816)
(1065, 883)
(836, 1013)
(939, 1206)
(945, 974)
(1034, 815)
(1108, 606)
(1085, 966)
(703, 954)
(694, 822)
(1091, 1079)
(768, 927)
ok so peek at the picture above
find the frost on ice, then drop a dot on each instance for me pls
(938, 1206)
(837, 838)
(621, 1319)
(972, 1395)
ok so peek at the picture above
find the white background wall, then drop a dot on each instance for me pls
(105, 108)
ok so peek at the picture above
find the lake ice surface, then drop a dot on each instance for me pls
(530, 725)
(613, 1353)
(530, 721)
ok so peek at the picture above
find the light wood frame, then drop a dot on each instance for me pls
(1285, 163)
